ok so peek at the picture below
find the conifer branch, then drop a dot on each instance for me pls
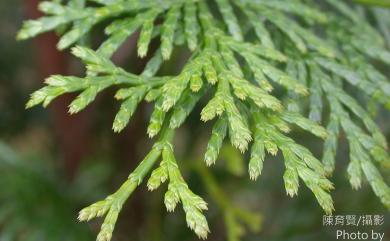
(307, 50)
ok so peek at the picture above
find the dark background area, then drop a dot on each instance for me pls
(53, 164)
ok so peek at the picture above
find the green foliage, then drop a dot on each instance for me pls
(246, 54)
(37, 196)
(236, 218)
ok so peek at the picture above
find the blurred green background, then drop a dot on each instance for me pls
(53, 164)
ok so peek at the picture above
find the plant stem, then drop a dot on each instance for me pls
(380, 3)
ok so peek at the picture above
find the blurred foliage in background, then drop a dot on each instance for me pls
(43, 187)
